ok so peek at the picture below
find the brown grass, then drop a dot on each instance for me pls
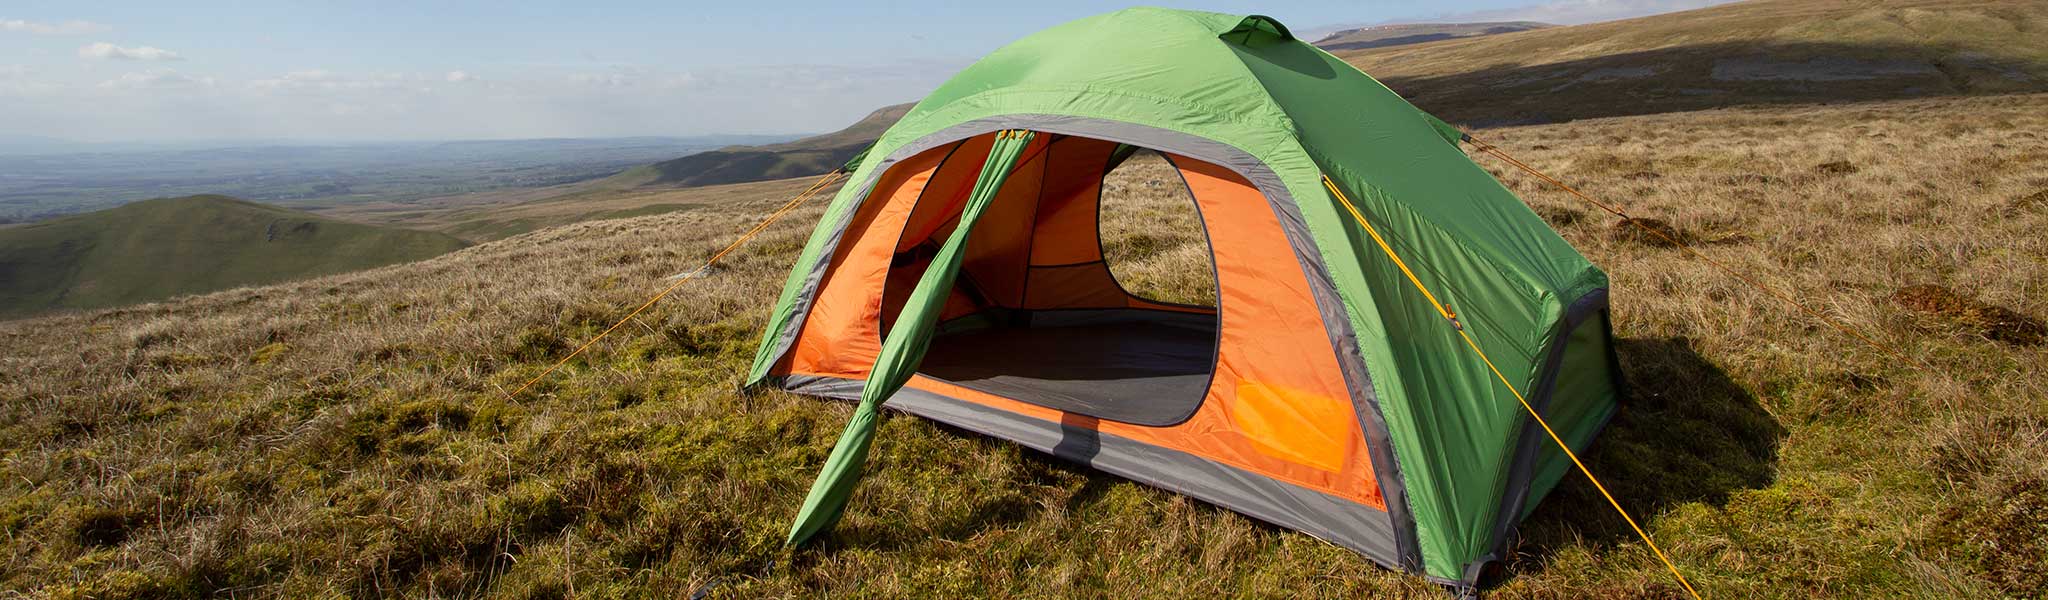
(1152, 236)
(349, 436)
(1995, 322)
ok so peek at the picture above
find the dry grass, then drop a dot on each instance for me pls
(348, 436)
(1152, 236)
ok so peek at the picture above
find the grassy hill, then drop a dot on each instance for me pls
(351, 436)
(1758, 52)
(735, 173)
(736, 164)
(501, 214)
(156, 249)
(1382, 36)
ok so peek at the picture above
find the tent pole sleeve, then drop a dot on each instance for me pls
(903, 349)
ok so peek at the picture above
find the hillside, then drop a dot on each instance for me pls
(156, 249)
(735, 164)
(1382, 36)
(1759, 52)
(351, 436)
(732, 174)
(500, 214)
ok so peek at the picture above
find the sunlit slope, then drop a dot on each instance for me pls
(1762, 52)
(157, 249)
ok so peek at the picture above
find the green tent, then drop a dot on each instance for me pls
(958, 276)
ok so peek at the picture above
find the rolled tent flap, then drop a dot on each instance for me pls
(903, 348)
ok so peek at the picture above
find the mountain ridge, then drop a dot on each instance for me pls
(740, 164)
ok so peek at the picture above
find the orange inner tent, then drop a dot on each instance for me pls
(1036, 325)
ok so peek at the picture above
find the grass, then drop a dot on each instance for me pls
(351, 435)
(156, 249)
(1759, 52)
(1152, 237)
(498, 215)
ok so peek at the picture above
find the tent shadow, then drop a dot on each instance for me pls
(1686, 433)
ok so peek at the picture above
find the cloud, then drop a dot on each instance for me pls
(460, 76)
(157, 79)
(71, 27)
(103, 50)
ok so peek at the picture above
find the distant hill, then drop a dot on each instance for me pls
(156, 249)
(1382, 36)
(737, 164)
(310, 175)
(1747, 53)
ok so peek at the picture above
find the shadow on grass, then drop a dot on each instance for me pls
(1685, 433)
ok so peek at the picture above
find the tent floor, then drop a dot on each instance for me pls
(1139, 372)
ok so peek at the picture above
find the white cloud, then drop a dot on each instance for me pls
(460, 76)
(103, 50)
(157, 79)
(71, 27)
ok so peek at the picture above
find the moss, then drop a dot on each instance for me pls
(533, 507)
(2005, 535)
(536, 345)
(269, 353)
(181, 360)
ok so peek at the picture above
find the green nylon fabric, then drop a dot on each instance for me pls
(901, 351)
(1585, 399)
(1304, 114)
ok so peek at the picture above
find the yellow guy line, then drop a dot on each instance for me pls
(785, 209)
(1510, 385)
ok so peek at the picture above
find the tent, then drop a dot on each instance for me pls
(959, 276)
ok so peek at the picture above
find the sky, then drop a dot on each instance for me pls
(125, 71)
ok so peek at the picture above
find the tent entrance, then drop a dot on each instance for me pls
(1054, 302)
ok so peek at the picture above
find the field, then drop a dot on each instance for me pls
(352, 435)
(156, 249)
(1756, 53)
(505, 213)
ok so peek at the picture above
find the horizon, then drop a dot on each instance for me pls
(143, 74)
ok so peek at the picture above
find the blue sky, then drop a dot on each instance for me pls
(125, 71)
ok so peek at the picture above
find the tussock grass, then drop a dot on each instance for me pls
(350, 436)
